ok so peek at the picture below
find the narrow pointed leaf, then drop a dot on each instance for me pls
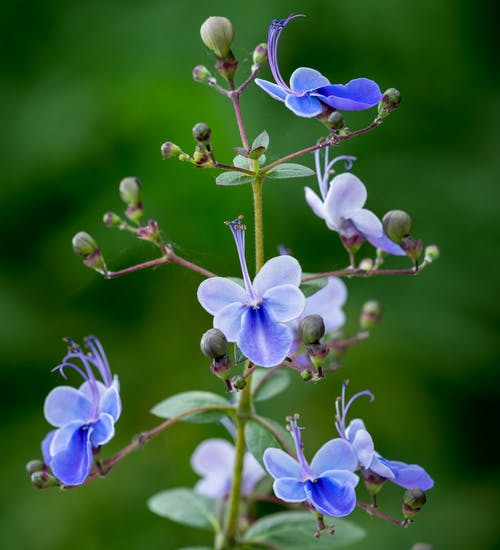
(290, 170)
(262, 140)
(184, 402)
(266, 384)
(232, 178)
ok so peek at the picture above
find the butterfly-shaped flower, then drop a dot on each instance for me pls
(310, 93)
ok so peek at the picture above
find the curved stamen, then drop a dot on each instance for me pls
(294, 429)
(99, 359)
(238, 231)
(324, 175)
(342, 413)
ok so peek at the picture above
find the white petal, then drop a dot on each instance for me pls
(281, 270)
(213, 456)
(346, 195)
(315, 203)
(367, 223)
(228, 320)
(217, 292)
(284, 303)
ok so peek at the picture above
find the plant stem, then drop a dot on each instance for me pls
(352, 272)
(258, 223)
(235, 98)
(370, 509)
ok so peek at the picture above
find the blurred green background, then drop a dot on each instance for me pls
(90, 91)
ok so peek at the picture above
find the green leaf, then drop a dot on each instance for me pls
(195, 548)
(290, 170)
(183, 402)
(259, 438)
(241, 162)
(257, 152)
(266, 385)
(312, 287)
(295, 531)
(184, 506)
(232, 178)
(262, 140)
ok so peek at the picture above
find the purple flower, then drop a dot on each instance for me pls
(341, 206)
(408, 476)
(310, 92)
(214, 460)
(84, 417)
(327, 483)
(255, 316)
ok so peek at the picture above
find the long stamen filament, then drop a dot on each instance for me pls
(238, 231)
(294, 429)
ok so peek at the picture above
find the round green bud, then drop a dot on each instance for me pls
(259, 56)
(34, 466)
(335, 121)
(83, 244)
(391, 99)
(217, 34)
(431, 253)
(202, 133)
(366, 264)
(214, 343)
(238, 382)
(130, 191)
(111, 219)
(397, 225)
(413, 500)
(370, 315)
(170, 150)
(306, 375)
(311, 329)
(43, 480)
(201, 74)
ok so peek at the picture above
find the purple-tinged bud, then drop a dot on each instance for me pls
(111, 219)
(306, 375)
(217, 34)
(238, 382)
(34, 466)
(390, 101)
(312, 329)
(413, 500)
(202, 74)
(150, 232)
(366, 264)
(373, 482)
(43, 480)
(135, 213)
(259, 56)
(431, 253)
(412, 247)
(397, 225)
(85, 246)
(335, 121)
(202, 133)
(214, 343)
(170, 150)
(370, 315)
(201, 157)
(130, 191)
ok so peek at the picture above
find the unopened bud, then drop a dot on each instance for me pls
(390, 101)
(259, 56)
(366, 264)
(312, 329)
(202, 74)
(238, 382)
(130, 191)
(431, 253)
(372, 481)
(202, 133)
(43, 480)
(170, 150)
(34, 466)
(201, 156)
(111, 219)
(370, 315)
(306, 375)
(214, 343)
(150, 232)
(413, 500)
(397, 225)
(83, 244)
(135, 213)
(412, 247)
(217, 34)
(335, 121)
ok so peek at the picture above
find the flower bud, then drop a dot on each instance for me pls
(202, 133)
(413, 500)
(43, 480)
(366, 264)
(335, 121)
(238, 382)
(111, 219)
(83, 244)
(217, 34)
(34, 466)
(431, 253)
(130, 191)
(201, 157)
(202, 74)
(312, 329)
(390, 101)
(412, 247)
(135, 213)
(150, 232)
(370, 315)
(259, 56)
(397, 225)
(306, 375)
(373, 482)
(170, 150)
(214, 343)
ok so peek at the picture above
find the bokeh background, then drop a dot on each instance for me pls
(90, 91)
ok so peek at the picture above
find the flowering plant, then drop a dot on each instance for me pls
(278, 323)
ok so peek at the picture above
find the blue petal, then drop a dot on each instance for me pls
(409, 476)
(367, 223)
(305, 106)
(72, 464)
(289, 489)
(285, 302)
(110, 400)
(65, 404)
(384, 243)
(305, 79)
(264, 341)
(363, 445)
(342, 476)
(330, 497)
(281, 270)
(228, 320)
(358, 94)
(213, 456)
(272, 89)
(336, 454)
(280, 464)
(103, 430)
(217, 292)
(47, 440)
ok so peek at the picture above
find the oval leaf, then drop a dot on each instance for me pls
(295, 531)
(257, 152)
(184, 402)
(290, 170)
(241, 162)
(262, 140)
(185, 506)
(267, 384)
(260, 437)
(232, 178)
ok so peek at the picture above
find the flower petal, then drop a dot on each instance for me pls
(280, 270)
(346, 195)
(336, 454)
(217, 292)
(65, 404)
(289, 489)
(305, 106)
(264, 341)
(252, 474)
(213, 456)
(275, 91)
(228, 320)
(315, 203)
(46, 442)
(379, 466)
(72, 454)
(367, 223)
(214, 486)
(358, 94)
(280, 464)
(384, 243)
(331, 497)
(351, 430)
(110, 400)
(327, 303)
(284, 303)
(305, 79)
(103, 430)
(363, 445)
(342, 476)
(409, 476)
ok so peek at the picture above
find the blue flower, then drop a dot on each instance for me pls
(84, 417)
(255, 316)
(341, 206)
(327, 483)
(214, 460)
(310, 93)
(408, 476)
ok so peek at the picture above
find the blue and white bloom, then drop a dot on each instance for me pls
(341, 206)
(327, 483)
(408, 476)
(255, 316)
(310, 92)
(84, 418)
(214, 460)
